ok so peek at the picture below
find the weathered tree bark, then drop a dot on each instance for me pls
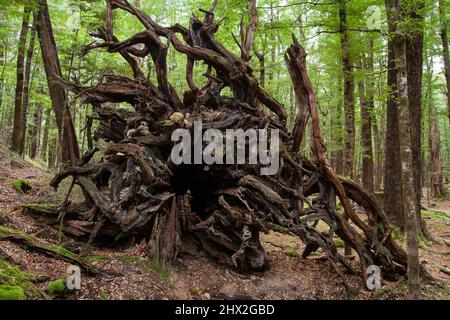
(414, 52)
(340, 130)
(445, 54)
(3, 62)
(393, 190)
(68, 140)
(44, 145)
(26, 89)
(18, 121)
(366, 138)
(248, 37)
(397, 14)
(349, 94)
(36, 132)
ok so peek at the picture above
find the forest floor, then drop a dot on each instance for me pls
(129, 275)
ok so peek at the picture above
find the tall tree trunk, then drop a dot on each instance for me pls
(397, 14)
(393, 190)
(349, 98)
(445, 55)
(26, 89)
(378, 166)
(339, 133)
(436, 178)
(18, 121)
(366, 137)
(68, 140)
(3, 62)
(45, 135)
(414, 53)
(349, 95)
(52, 151)
(36, 132)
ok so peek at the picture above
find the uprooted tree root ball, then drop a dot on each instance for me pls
(136, 191)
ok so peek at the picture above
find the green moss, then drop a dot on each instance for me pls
(12, 276)
(396, 233)
(292, 252)
(97, 258)
(104, 296)
(41, 207)
(436, 215)
(383, 291)
(8, 292)
(130, 259)
(56, 287)
(281, 229)
(21, 185)
(194, 291)
(339, 243)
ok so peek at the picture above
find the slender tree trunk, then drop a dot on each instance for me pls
(445, 53)
(398, 14)
(18, 121)
(374, 149)
(393, 190)
(26, 89)
(414, 52)
(52, 152)
(378, 167)
(3, 62)
(366, 137)
(349, 95)
(45, 135)
(436, 179)
(69, 145)
(339, 131)
(36, 132)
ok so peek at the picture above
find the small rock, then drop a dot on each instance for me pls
(207, 296)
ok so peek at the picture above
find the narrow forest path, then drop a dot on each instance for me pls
(129, 275)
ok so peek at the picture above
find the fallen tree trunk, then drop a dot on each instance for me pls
(137, 192)
(30, 242)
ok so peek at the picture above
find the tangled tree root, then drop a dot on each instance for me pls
(136, 191)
